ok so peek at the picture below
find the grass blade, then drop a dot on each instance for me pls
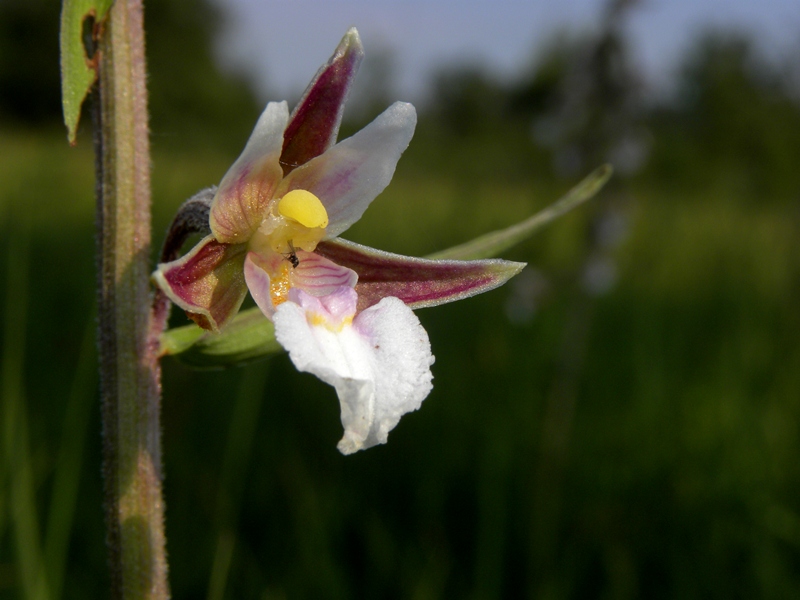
(17, 458)
(68, 466)
(492, 244)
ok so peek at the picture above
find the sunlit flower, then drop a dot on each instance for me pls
(341, 310)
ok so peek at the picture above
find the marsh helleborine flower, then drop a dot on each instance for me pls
(341, 310)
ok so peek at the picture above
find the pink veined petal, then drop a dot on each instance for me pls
(349, 176)
(315, 120)
(379, 366)
(418, 282)
(248, 187)
(256, 275)
(318, 276)
(207, 282)
(315, 275)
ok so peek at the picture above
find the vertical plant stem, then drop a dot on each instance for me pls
(129, 369)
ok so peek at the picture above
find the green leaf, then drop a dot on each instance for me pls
(492, 244)
(248, 337)
(78, 71)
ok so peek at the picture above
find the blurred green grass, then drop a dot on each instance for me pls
(638, 441)
(678, 477)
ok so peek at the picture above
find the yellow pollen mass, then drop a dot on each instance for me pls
(304, 207)
(279, 285)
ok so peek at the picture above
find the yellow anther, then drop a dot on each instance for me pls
(303, 207)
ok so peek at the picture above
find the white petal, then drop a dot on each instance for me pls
(379, 365)
(266, 139)
(349, 176)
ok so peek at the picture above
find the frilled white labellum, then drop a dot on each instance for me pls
(378, 362)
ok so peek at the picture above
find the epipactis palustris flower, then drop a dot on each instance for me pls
(342, 311)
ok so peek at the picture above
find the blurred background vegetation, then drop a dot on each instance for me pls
(621, 421)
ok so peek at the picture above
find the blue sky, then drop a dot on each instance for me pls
(284, 47)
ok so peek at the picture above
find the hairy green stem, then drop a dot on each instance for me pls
(129, 368)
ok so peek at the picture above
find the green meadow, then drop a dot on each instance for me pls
(620, 421)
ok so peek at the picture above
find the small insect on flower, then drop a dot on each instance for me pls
(291, 256)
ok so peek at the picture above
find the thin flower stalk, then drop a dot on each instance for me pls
(129, 368)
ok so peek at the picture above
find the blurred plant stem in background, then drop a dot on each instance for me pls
(238, 450)
(16, 469)
(69, 461)
(597, 120)
(41, 573)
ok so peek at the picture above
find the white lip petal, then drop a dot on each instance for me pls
(379, 364)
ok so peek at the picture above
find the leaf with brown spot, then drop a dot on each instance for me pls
(78, 70)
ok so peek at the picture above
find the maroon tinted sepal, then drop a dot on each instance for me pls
(315, 121)
(418, 282)
(208, 283)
